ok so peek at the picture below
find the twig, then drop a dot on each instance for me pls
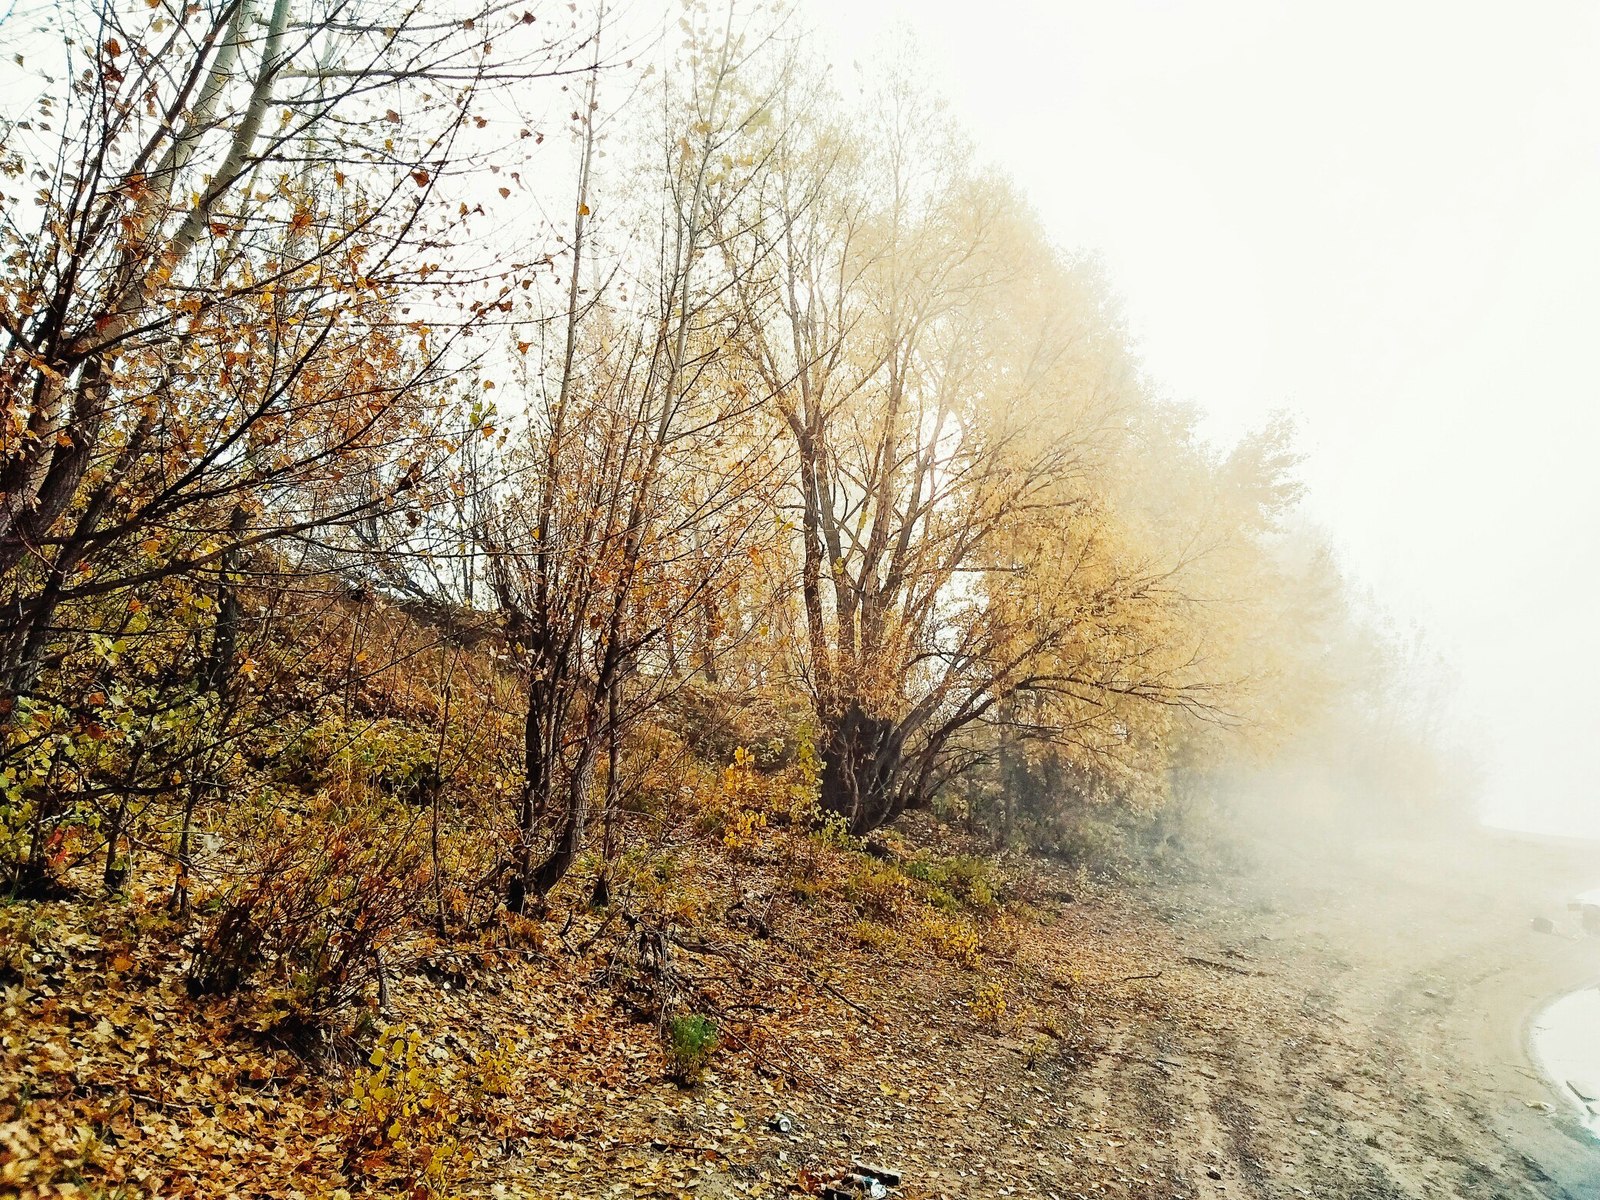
(1158, 1062)
(662, 1143)
(841, 997)
(1221, 966)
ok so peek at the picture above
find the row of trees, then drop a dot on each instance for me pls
(791, 396)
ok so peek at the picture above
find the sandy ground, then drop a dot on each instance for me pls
(1331, 1023)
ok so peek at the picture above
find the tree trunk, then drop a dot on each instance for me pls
(569, 840)
(861, 761)
(538, 775)
(612, 815)
(216, 677)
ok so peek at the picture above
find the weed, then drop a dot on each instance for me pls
(988, 1002)
(952, 939)
(691, 1039)
(869, 935)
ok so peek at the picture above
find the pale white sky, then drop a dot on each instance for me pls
(1383, 217)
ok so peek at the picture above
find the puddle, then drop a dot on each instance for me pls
(1566, 1035)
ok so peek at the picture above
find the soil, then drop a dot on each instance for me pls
(1336, 1022)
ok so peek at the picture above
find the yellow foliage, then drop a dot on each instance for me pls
(404, 1116)
(988, 1002)
(870, 935)
(952, 938)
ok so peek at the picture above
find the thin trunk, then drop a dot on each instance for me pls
(39, 488)
(569, 838)
(217, 678)
(612, 817)
(440, 925)
(180, 886)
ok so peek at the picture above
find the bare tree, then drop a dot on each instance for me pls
(633, 506)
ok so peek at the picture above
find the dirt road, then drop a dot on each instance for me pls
(1377, 1046)
(1345, 1025)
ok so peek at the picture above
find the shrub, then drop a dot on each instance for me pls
(662, 884)
(952, 939)
(311, 915)
(964, 879)
(988, 1002)
(749, 799)
(716, 722)
(25, 941)
(744, 831)
(877, 889)
(691, 1040)
(403, 1116)
(869, 935)
(384, 757)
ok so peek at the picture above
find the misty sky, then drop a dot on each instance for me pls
(1384, 218)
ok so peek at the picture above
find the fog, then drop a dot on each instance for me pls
(1381, 219)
